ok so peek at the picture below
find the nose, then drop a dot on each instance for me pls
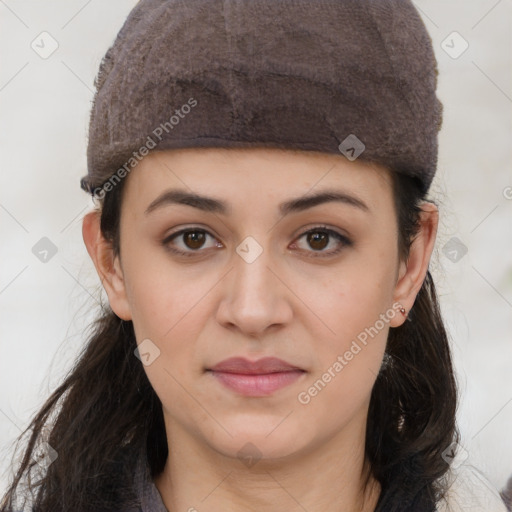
(255, 296)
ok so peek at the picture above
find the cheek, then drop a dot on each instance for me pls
(165, 312)
(171, 314)
(356, 308)
(347, 363)
(173, 321)
(352, 300)
(159, 294)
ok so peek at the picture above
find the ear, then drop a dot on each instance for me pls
(107, 265)
(412, 273)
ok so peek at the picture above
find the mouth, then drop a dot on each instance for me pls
(255, 378)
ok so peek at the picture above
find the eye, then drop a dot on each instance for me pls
(322, 237)
(192, 240)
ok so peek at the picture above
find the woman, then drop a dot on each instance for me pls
(273, 338)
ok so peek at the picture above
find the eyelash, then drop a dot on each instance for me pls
(345, 242)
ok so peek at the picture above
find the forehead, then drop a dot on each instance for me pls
(255, 175)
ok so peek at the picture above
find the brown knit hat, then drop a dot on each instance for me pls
(352, 77)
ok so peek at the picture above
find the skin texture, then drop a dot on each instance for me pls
(290, 302)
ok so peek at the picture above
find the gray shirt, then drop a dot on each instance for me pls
(150, 498)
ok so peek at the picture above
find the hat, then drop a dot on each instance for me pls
(350, 77)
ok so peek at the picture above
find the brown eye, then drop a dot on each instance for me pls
(318, 240)
(190, 242)
(194, 239)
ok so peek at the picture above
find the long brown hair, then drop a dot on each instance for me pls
(105, 415)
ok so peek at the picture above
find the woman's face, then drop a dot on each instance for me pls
(259, 253)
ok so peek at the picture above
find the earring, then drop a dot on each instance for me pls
(403, 311)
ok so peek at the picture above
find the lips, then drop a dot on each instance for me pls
(255, 378)
(260, 367)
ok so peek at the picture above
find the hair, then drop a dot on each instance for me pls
(107, 413)
(506, 494)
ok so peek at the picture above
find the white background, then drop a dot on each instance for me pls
(45, 106)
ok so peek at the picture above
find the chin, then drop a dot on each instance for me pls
(259, 440)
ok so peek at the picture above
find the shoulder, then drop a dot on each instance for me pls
(470, 491)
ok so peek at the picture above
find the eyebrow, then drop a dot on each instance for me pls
(209, 204)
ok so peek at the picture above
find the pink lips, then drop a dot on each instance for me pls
(259, 378)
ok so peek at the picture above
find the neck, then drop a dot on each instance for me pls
(328, 478)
